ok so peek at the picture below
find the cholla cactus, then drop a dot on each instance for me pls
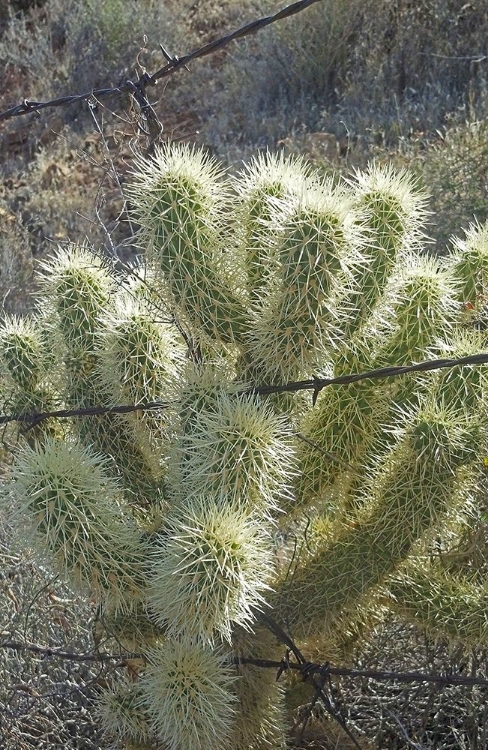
(177, 520)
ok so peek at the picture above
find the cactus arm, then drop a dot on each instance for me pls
(187, 694)
(180, 200)
(209, 571)
(411, 493)
(470, 263)
(267, 189)
(75, 511)
(394, 209)
(26, 361)
(445, 606)
(319, 245)
(420, 306)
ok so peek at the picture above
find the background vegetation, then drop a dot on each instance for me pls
(346, 81)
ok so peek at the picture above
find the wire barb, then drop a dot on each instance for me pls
(315, 384)
(173, 63)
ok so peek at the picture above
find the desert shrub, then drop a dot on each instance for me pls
(16, 264)
(46, 703)
(288, 74)
(454, 169)
(75, 47)
(378, 67)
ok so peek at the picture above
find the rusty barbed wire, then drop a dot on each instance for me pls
(306, 668)
(314, 384)
(317, 384)
(137, 89)
(36, 417)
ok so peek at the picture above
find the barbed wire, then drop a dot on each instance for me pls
(314, 384)
(317, 384)
(305, 667)
(36, 417)
(138, 88)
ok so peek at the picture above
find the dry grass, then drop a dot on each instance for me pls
(378, 68)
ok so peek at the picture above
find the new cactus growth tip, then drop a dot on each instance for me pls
(177, 522)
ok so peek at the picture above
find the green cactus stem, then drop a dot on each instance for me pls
(78, 286)
(268, 188)
(138, 361)
(209, 570)
(260, 716)
(470, 264)
(414, 488)
(446, 606)
(394, 209)
(64, 494)
(240, 450)
(180, 199)
(26, 361)
(320, 245)
(419, 307)
(187, 693)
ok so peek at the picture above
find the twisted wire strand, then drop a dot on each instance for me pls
(314, 384)
(138, 88)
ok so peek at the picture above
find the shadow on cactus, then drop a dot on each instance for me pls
(178, 521)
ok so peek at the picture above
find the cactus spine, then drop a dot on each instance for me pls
(173, 520)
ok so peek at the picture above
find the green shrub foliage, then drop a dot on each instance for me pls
(186, 521)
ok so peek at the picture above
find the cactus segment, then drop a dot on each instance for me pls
(74, 511)
(412, 491)
(78, 286)
(394, 209)
(139, 358)
(187, 692)
(24, 355)
(138, 362)
(210, 570)
(338, 431)
(320, 245)
(420, 305)
(470, 263)
(120, 714)
(26, 361)
(239, 450)
(180, 199)
(260, 718)
(445, 606)
(268, 188)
